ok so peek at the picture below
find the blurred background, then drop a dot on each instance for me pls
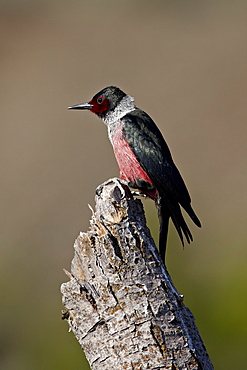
(185, 64)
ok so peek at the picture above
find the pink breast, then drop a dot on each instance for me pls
(129, 167)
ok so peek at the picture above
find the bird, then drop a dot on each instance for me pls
(144, 159)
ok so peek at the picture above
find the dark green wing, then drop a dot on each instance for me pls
(154, 155)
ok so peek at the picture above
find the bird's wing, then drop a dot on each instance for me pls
(154, 156)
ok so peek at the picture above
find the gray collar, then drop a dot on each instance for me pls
(125, 106)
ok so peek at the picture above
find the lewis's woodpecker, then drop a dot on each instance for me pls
(144, 159)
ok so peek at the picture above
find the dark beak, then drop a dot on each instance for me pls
(81, 106)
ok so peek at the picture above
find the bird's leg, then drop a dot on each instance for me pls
(140, 185)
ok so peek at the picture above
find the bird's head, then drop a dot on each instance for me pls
(103, 102)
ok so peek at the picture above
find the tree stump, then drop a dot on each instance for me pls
(121, 303)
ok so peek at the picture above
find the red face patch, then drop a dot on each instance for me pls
(100, 104)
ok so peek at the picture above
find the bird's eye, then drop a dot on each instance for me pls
(100, 100)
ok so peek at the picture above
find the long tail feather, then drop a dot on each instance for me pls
(164, 215)
(173, 211)
(180, 224)
(193, 216)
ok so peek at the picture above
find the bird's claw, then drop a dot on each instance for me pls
(138, 194)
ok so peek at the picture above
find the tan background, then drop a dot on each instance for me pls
(185, 63)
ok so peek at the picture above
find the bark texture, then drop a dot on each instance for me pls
(121, 303)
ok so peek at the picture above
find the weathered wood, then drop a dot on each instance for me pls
(120, 300)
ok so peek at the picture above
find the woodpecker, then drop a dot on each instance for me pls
(144, 159)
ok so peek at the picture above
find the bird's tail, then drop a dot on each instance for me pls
(173, 211)
(164, 215)
(192, 215)
(180, 224)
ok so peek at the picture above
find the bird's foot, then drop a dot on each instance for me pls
(138, 194)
